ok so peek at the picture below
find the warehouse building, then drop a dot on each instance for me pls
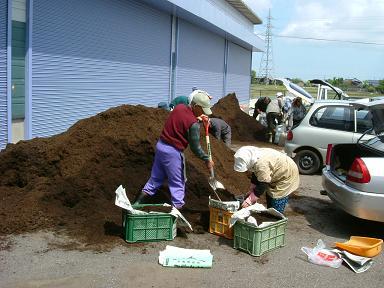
(61, 61)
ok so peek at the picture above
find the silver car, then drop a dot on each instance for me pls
(327, 121)
(354, 176)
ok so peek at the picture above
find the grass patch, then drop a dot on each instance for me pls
(260, 90)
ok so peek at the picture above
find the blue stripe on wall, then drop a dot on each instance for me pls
(90, 55)
(3, 74)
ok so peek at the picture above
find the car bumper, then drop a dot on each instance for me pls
(363, 205)
(289, 148)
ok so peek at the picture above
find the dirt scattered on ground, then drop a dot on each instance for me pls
(67, 182)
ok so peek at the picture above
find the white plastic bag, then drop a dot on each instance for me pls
(321, 256)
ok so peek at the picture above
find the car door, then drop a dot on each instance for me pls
(331, 124)
(363, 122)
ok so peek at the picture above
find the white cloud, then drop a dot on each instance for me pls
(350, 20)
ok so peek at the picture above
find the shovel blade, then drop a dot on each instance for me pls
(215, 184)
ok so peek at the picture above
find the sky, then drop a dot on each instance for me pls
(351, 22)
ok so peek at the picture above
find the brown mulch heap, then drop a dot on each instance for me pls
(244, 127)
(67, 182)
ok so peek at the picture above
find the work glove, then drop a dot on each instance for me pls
(251, 189)
(203, 118)
(250, 200)
(209, 164)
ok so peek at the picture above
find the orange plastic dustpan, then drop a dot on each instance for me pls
(362, 246)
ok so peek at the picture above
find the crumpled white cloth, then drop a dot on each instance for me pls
(246, 212)
(122, 201)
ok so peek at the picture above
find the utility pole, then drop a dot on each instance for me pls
(266, 64)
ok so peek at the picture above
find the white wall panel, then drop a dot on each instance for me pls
(90, 55)
(239, 72)
(200, 61)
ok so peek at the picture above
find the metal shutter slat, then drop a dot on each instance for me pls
(91, 55)
(239, 72)
(3, 74)
(200, 61)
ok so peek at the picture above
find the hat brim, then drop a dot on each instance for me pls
(207, 111)
(239, 167)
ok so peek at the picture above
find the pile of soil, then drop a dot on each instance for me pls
(67, 182)
(244, 127)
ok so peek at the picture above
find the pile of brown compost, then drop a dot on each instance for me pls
(67, 182)
(244, 127)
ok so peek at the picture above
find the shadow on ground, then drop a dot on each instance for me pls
(325, 217)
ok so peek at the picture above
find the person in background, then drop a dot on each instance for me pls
(274, 114)
(273, 172)
(220, 130)
(261, 106)
(178, 100)
(180, 130)
(298, 111)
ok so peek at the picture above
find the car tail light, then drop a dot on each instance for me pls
(358, 172)
(289, 135)
(328, 157)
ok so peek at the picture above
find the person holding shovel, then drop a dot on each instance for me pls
(180, 130)
(273, 172)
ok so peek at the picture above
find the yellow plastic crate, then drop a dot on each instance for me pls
(219, 222)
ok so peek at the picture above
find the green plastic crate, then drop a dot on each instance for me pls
(257, 241)
(148, 227)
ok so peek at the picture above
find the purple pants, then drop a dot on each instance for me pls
(168, 164)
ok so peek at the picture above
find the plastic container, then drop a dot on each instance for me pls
(148, 227)
(257, 241)
(362, 246)
(219, 222)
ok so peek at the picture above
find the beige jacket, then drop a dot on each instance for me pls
(277, 169)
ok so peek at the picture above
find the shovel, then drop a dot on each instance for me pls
(211, 180)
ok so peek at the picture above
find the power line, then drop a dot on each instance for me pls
(329, 40)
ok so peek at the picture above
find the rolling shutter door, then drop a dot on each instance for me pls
(3, 74)
(200, 61)
(90, 55)
(239, 72)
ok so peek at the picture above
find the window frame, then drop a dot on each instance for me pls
(351, 127)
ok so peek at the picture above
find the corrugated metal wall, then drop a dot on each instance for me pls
(200, 61)
(239, 71)
(90, 55)
(3, 73)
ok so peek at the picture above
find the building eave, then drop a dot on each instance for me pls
(245, 10)
(203, 13)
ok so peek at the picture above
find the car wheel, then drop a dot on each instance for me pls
(307, 161)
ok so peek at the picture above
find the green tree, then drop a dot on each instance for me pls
(380, 88)
(297, 80)
(253, 77)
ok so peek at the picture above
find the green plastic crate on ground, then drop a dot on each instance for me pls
(148, 227)
(257, 241)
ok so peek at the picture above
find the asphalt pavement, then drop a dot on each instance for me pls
(46, 260)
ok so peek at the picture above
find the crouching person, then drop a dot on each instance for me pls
(273, 172)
